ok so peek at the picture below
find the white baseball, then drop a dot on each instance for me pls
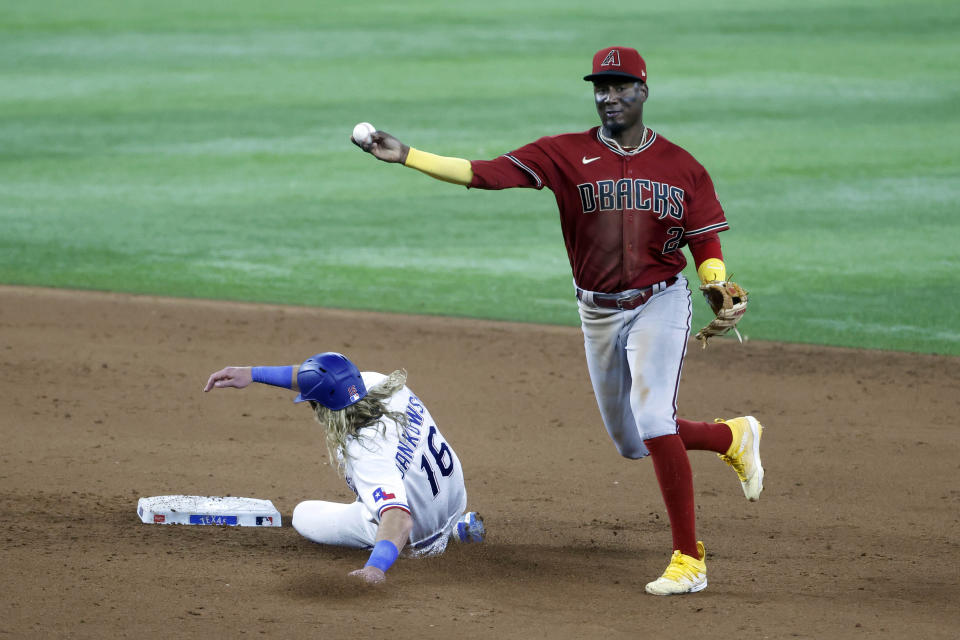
(362, 132)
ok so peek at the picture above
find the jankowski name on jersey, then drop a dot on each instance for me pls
(409, 438)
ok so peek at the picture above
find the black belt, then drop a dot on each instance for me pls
(628, 299)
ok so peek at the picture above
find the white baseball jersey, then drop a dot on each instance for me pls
(414, 470)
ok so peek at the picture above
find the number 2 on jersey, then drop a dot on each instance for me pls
(441, 456)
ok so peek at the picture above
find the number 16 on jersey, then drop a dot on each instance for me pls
(440, 459)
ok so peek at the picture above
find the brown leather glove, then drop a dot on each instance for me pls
(729, 302)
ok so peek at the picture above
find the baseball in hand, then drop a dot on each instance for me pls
(362, 132)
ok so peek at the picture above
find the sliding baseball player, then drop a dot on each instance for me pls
(411, 497)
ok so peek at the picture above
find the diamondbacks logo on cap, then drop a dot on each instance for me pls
(612, 59)
(352, 392)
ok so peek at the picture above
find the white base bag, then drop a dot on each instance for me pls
(208, 510)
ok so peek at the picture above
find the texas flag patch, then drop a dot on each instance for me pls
(379, 494)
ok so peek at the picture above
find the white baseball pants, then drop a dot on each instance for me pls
(634, 358)
(343, 525)
(352, 525)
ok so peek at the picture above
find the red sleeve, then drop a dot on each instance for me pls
(704, 248)
(529, 166)
(706, 216)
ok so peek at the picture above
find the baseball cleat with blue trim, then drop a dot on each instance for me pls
(744, 454)
(470, 527)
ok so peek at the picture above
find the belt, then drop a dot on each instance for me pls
(429, 541)
(630, 299)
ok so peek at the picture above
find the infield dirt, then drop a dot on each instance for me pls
(854, 536)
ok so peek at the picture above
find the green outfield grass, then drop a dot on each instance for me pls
(201, 149)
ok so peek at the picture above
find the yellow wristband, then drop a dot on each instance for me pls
(455, 170)
(712, 269)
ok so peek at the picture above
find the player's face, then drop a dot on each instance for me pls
(619, 103)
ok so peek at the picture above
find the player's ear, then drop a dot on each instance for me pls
(644, 92)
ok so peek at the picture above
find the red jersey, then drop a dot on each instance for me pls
(624, 214)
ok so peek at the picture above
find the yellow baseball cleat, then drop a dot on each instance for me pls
(685, 574)
(744, 454)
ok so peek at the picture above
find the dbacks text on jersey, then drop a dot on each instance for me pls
(632, 195)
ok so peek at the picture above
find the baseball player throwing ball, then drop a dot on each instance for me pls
(408, 480)
(629, 201)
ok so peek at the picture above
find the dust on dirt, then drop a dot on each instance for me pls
(102, 404)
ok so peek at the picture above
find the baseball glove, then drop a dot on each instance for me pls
(729, 302)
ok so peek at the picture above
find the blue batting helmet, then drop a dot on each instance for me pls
(330, 379)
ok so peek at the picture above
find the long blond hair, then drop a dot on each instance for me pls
(343, 425)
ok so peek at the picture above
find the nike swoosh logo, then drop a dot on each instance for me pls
(587, 160)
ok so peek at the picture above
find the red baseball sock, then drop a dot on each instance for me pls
(676, 484)
(705, 436)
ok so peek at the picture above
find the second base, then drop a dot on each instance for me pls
(208, 510)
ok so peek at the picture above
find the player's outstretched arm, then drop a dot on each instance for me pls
(237, 377)
(392, 535)
(384, 146)
(241, 377)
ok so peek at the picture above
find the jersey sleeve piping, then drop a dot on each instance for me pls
(387, 507)
(720, 226)
(533, 174)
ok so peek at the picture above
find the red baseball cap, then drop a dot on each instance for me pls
(621, 62)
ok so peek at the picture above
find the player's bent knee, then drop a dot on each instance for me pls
(631, 452)
(308, 517)
(297, 520)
